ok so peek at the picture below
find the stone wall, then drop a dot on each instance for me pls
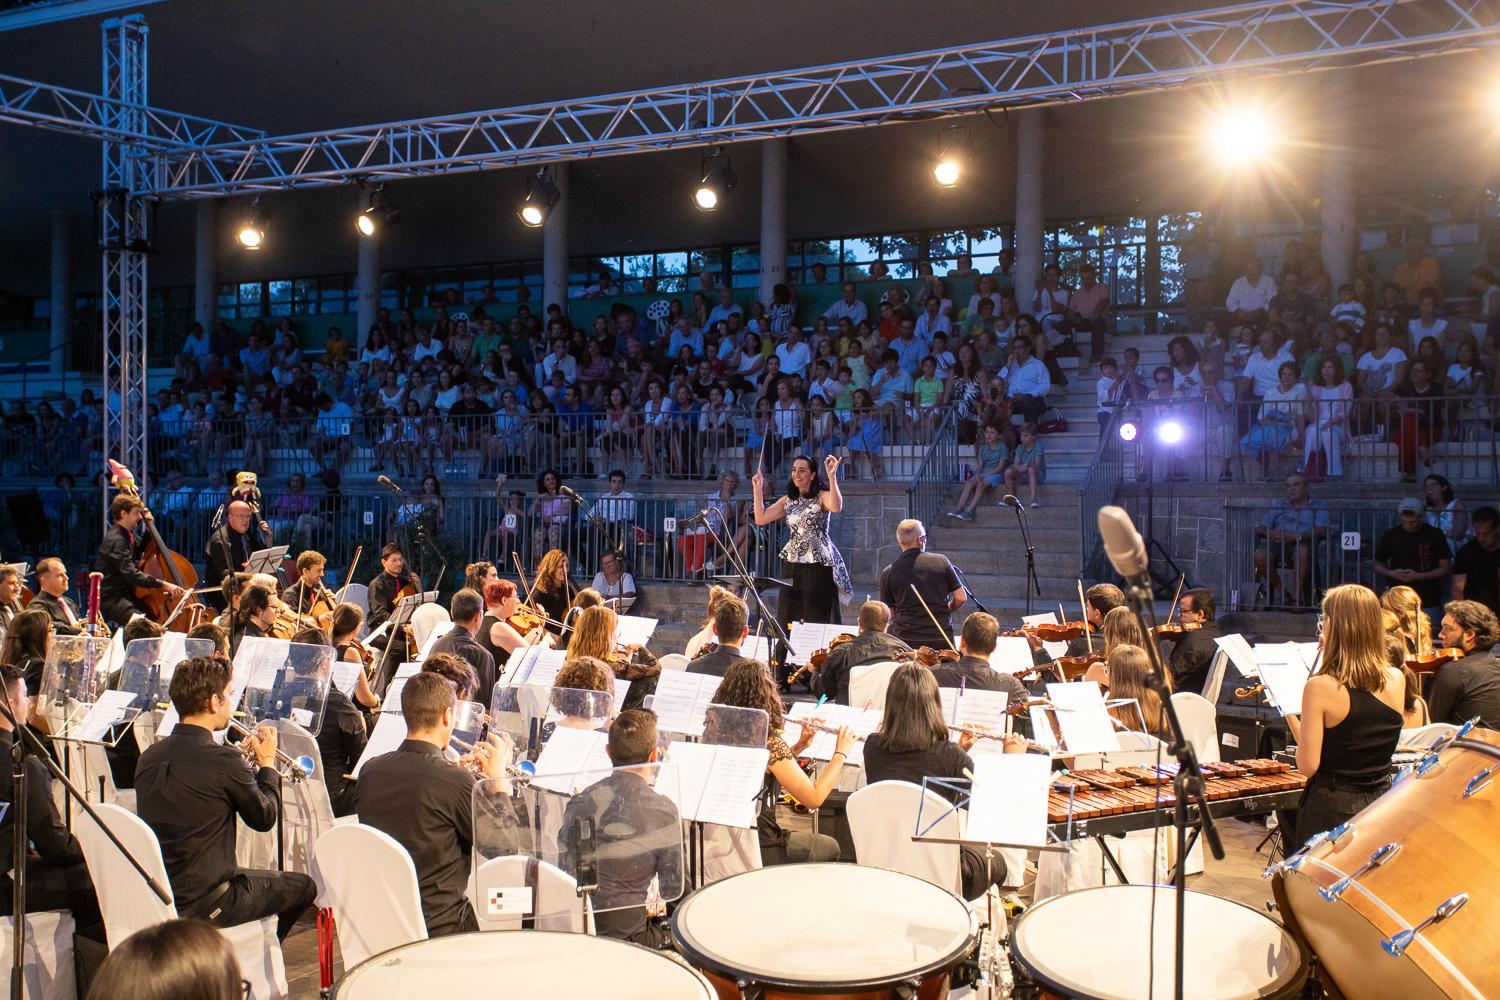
(865, 531)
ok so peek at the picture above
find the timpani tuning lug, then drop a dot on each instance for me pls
(1380, 857)
(1478, 783)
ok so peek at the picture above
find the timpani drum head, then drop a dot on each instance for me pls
(523, 964)
(1093, 944)
(817, 926)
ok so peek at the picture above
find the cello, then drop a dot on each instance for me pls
(161, 562)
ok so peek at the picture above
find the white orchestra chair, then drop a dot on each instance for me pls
(554, 899)
(882, 817)
(425, 619)
(307, 812)
(729, 850)
(128, 904)
(867, 684)
(674, 661)
(359, 595)
(48, 970)
(1200, 724)
(370, 883)
(1424, 737)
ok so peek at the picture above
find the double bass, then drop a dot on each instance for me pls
(161, 562)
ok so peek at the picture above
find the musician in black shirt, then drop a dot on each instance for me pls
(10, 594)
(873, 644)
(384, 588)
(229, 547)
(424, 801)
(1194, 649)
(117, 558)
(56, 876)
(730, 628)
(190, 791)
(627, 832)
(52, 597)
(933, 577)
(466, 609)
(972, 669)
(303, 594)
(254, 617)
(1470, 687)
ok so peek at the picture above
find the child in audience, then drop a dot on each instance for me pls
(927, 391)
(1108, 390)
(1347, 309)
(1029, 460)
(867, 437)
(992, 456)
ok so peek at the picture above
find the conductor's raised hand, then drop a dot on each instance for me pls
(831, 466)
(758, 480)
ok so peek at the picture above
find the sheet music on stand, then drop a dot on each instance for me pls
(1006, 805)
(145, 676)
(680, 701)
(1240, 654)
(266, 560)
(289, 681)
(74, 675)
(392, 701)
(1083, 717)
(538, 713)
(346, 676)
(571, 760)
(720, 778)
(977, 709)
(239, 680)
(756, 647)
(1285, 681)
(1012, 654)
(862, 721)
(536, 666)
(390, 731)
(632, 630)
(809, 637)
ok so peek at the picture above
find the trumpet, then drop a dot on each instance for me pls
(293, 769)
(524, 769)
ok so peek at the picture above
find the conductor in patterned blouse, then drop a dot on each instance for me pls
(809, 560)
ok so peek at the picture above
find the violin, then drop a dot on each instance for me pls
(161, 562)
(1428, 663)
(929, 657)
(814, 661)
(1050, 632)
(1168, 630)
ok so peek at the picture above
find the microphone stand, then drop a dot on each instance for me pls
(1189, 778)
(746, 580)
(25, 745)
(1032, 583)
(964, 583)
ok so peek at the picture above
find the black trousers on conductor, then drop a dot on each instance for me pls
(812, 597)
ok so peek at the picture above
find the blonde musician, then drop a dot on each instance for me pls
(1127, 676)
(1351, 715)
(478, 575)
(191, 791)
(1120, 628)
(496, 634)
(912, 743)
(344, 637)
(118, 554)
(303, 594)
(425, 802)
(594, 635)
(705, 635)
(1414, 627)
(748, 684)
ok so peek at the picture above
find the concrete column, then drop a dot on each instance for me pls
(367, 288)
(206, 263)
(1340, 222)
(62, 291)
(555, 245)
(1031, 134)
(772, 216)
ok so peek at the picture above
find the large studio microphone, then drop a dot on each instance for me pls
(386, 482)
(1011, 500)
(1124, 546)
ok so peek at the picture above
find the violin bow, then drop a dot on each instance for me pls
(349, 576)
(1181, 579)
(521, 575)
(1083, 616)
(946, 637)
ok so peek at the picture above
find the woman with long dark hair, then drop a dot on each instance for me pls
(810, 560)
(254, 616)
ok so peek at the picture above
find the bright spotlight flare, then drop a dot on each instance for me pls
(541, 197)
(954, 151)
(1170, 432)
(1242, 136)
(1129, 431)
(252, 231)
(379, 214)
(717, 180)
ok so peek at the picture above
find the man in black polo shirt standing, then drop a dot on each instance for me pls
(190, 790)
(1476, 566)
(933, 577)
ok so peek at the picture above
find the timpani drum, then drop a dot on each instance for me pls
(1404, 899)
(522, 964)
(1095, 944)
(830, 930)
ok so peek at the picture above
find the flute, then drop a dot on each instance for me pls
(820, 727)
(985, 734)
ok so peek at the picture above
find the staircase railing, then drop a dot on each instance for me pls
(936, 473)
(1097, 490)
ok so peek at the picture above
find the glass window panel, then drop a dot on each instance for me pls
(745, 258)
(228, 296)
(1122, 272)
(250, 294)
(824, 251)
(859, 249)
(712, 258)
(1177, 226)
(1130, 230)
(672, 283)
(945, 246)
(280, 309)
(989, 241)
(1170, 283)
(638, 266)
(671, 263)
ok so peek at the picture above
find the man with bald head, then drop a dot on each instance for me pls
(229, 547)
(919, 572)
(873, 644)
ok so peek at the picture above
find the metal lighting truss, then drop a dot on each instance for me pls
(1067, 66)
(27, 102)
(124, 236)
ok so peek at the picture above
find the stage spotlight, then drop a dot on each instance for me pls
(717, 179)
(954, 152)
(252, 231)
(541, 196)
(1129, 431)
(1170, 432)
(378, 215)
(1242, 136)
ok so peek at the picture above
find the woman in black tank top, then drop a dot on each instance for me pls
(495, 632)
(1351, 715)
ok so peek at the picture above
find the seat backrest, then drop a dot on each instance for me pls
(554, 899)
(674, 661)
(1427, 735)
(1200, 724)
(370, 884)
(882, 818)
(358, 594)
(867, 684)
(308, 810)
(125, 900)
(425, 619)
